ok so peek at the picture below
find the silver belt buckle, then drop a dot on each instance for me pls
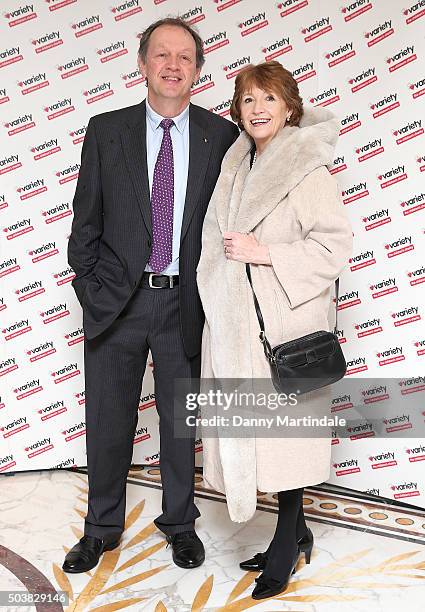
(151, 275)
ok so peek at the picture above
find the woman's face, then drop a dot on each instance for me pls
(263, 114)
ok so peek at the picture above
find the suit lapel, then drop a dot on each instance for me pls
(199, 154)
(133, 139)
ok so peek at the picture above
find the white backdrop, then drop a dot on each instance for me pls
(62, 61)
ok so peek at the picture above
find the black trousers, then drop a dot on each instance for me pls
(115, 363)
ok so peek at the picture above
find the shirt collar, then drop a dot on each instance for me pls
(155, 119)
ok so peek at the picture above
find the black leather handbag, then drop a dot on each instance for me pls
(303, 364)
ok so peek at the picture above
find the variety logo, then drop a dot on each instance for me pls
(19, 228)
(420, 346)
(55, 5)
(420, 160)
(132, 78)
(417, 453)
(98, 92)
(43, 252)
(290, 6)
(304, 72)
(370, 149)
(204, 82)
(73, 67)
(340, 54)
(391, 355)
(348, 299)
(31, 189)
(379, 33)
(68, 174)
(126, 9)
(59, 108)
(65, 373)
(362, 80)
(399, 246)
(408, 131)
(29, 388)
(216, 41)
(75, 336)
(338, 165)
(75, 431)
(341, 402)
(20, 124)
(20, 15)
(14, 427)
(418, 88)
(375, 394)
(54, 409)
(325, 98)
(414, 204)
(3, 95)
(78, 135)
(33, 83)
(382, 460)
(412, 385)
(401, 58)
(41, 351)
(253, 23)
(349, 123)
(41, 446)
(151, 460)
(357, 432)
(147, 401)
(279, 47)
(362, 260)
(222, 4)
(358, 364)
(87, 25)
(46, 148)
(47, 42)
(405, 316)
(316, 29)
(235, 67)
(355, 192)
(344, 468)
(392, 176)
(7, 366)
(54, 313)
(222, 108)
(10, 55)
(112, 51)
(141, 435)
(193, 15)
(8, 266)
(397, 423)
(3, 203)
(355, 9)
(415, 11)
(71, 461)
(58, 212)
(9, 163)
(81, 397)
(418, 276)
(6, 463)
(30, 291)
(383, 287)
(385, 105)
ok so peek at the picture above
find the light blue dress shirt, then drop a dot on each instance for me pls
(180, 139)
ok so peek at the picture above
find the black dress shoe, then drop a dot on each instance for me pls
(258, 562)
(188, 550)
(85, 555)
(269, 587)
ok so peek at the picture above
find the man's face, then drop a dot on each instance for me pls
(170, 65)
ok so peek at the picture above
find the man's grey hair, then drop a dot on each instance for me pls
(172, 21)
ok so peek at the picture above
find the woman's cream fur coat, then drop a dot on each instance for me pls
(291, 203)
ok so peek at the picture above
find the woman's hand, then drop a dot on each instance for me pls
(245, 248)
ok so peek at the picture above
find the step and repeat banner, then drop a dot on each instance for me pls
(62, 61)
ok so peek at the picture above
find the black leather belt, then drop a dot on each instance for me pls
(159, 281)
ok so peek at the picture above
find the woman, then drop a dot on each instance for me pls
(277, 207)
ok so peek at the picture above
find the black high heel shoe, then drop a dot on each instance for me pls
(269, 587)
(258, 561)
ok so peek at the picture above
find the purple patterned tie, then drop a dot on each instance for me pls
(162, 202)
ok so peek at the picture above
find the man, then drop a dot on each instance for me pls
(147, 174)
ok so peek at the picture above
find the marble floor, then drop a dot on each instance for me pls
(368, 556)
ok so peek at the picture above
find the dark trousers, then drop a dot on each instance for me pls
(115, 363)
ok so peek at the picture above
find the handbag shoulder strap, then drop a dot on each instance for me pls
(263, 338)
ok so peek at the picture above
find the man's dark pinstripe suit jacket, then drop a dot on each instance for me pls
(110, 241)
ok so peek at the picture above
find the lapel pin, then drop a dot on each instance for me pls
(205, 139)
